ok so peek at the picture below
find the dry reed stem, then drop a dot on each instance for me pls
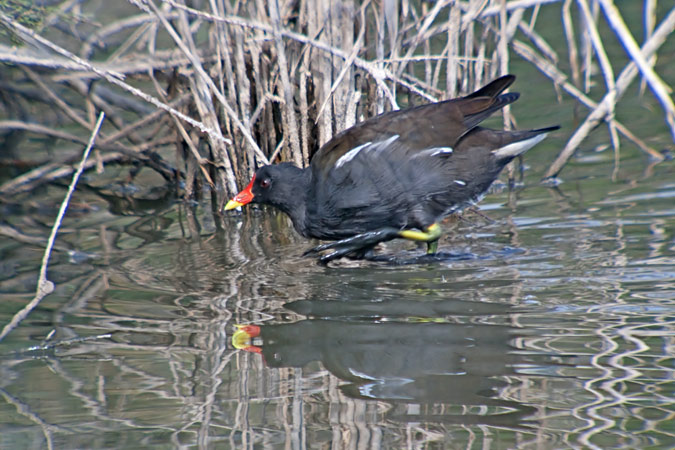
(345, 67)
(378, 74)
(453, 73)
(586, 50)
(660, 89)
(606, 68)
(665, 28)
(289, 116)
(649, 23)
(503, 57)
(203, 85)
(201, 162)
(539, 42)
(420, 35)
(511, 6)
(573, 53)
(560, 79)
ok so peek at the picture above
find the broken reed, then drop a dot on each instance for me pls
(233, 85)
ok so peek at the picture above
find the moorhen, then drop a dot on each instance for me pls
(396, 175)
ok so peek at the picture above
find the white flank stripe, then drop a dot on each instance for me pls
(384, 144)
(460, 182)
(441, 151)
(433, 151)
(518, 148)
(368, 146)
(350, 155)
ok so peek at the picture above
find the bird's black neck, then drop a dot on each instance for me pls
(297, 185)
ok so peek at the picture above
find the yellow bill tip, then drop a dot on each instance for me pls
(232, 204)
(241, 340)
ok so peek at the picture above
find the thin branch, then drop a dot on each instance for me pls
(45, 286)
(134, 152)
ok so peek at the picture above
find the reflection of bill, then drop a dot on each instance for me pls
(242, 339)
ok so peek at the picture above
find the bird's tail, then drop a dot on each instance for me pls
(522, 141)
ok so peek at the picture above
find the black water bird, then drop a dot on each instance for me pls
(396, 175)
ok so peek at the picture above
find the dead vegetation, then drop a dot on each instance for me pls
(204, 92)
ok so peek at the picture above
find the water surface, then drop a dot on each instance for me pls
(551, 328)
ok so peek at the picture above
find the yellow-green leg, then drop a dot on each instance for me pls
(431, 236)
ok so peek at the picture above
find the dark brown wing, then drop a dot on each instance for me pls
(421, 127)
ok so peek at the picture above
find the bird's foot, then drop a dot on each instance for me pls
(357, 247)
(430, 235)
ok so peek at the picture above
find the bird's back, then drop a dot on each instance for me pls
(409, 168)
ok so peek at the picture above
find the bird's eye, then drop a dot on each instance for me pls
(265, 183)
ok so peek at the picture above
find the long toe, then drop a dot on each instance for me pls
(328, 257)
(355, 246)
(349, 250)
(353, 242)
(317, 249)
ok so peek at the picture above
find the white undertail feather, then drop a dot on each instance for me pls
(518, 148)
